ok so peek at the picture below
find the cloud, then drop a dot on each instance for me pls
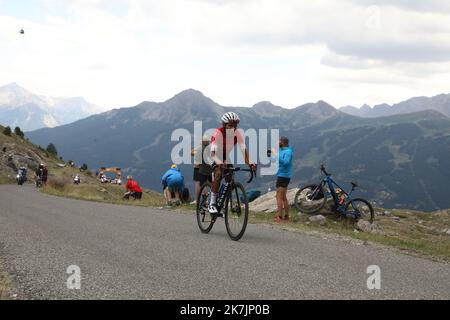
(120, 52)
(386, 33)
(438, 6)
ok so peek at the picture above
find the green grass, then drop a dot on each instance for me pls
(407, 234)
(6, 180)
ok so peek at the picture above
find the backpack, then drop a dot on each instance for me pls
(185, 196)
(252, 194)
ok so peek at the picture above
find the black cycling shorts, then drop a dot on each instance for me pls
(197, 175)
(282, 182)
(204, 178)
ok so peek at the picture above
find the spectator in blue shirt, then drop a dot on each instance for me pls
(284, 176)
(173, 183)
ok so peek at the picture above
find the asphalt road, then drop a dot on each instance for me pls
(142, 253)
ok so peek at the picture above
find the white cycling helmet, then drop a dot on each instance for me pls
(230, 117)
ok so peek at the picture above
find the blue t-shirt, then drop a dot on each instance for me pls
(285, 162)
(173, 177)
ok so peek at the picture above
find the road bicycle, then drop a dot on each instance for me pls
(232, 204)
(312, 198)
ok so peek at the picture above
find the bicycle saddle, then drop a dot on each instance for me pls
(354, 184)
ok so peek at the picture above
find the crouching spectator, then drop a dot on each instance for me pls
(132, 189)
(173, 185)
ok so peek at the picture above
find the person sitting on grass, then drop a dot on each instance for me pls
(173, 183)
(133, 189)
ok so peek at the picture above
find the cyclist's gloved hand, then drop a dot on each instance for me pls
(253, 166)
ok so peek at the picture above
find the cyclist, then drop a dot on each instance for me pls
(222, 142)
(44, 175)
(39, 173)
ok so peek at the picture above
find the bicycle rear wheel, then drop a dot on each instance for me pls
(310, 199)
(360, 209)
(236, 212)
(204, 219)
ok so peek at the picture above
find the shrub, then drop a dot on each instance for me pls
(19, 132)
(52, 149)
(7, 131)
(57, 184)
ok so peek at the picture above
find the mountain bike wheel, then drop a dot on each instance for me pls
(236, 212)
(360, 209)
(204, 219)
(310, 199)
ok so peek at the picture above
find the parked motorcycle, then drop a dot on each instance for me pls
(21, 176)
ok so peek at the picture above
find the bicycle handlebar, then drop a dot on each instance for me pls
(322, 168)
(252, 173)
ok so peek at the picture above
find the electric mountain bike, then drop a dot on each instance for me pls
(232, 204)
(312, 198)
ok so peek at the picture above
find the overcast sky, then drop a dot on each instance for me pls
(118, 53)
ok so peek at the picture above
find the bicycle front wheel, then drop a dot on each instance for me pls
(204, 219)
(360, 209)
(236, 212)
(310, 199)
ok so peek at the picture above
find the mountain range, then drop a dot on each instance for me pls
(400, 160)
(29, 111)
(440, 103)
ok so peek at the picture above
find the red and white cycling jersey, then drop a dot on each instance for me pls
(221, 142)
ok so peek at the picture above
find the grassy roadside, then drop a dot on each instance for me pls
(106, 194)
(6, 180)
(415, 233)
(60, 183)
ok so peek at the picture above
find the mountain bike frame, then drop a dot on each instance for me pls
(332, 185)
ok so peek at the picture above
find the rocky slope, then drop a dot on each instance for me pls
(16, 152)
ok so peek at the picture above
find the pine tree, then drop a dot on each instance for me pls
(7, 131)
(52, 149)
(19, 132)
